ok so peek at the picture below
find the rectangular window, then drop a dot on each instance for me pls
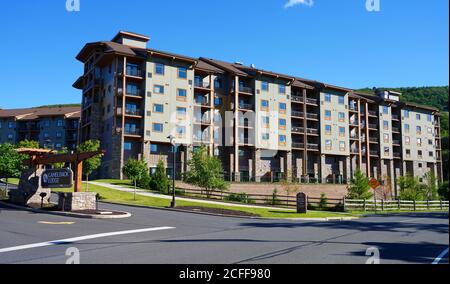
(407, 140)
(431, 154)
(419, 142)
(282, 140)
(153, 148)
(264, 105)
(419, 154)
(266, 121)
(342, 146)
(406, 113)
(341, 100)
(327, 129)
(282, 124)
(283, 108)
(181, 112)
(430, 118)
(10, 136)
(386, 138)
(430, 130)
(158, 89)
(158, 127)
(385, 109)
(132, 89)
(328, 115)
(159, 69)
(408, 153)
(282, 89)
(341, 117)
(341, 131)
(387, 151)
(265, 86)
(182, 72)
(60, 123)
(418, 116)
(158, 108)
(127, 146)
(419, 130)
(328, 98)
(328, 144)
(265, 136)
(181, 131)
(430, 142)
(10, 125)
(407, 128)
(386, 125)
(181, 94)
(58, 134)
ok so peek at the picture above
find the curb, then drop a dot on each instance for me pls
(67, 214)
(239, 217)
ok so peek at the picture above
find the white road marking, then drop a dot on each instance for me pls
(439, 258)
(83, 238)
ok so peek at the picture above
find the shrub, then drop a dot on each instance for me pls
(443, 191)
(323, 203)
(159, 180)
(240, 197)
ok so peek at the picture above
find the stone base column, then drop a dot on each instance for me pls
(77, 201)
(322, 168)
(288, 166)
(257, 165)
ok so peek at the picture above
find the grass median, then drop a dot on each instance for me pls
(126, 198)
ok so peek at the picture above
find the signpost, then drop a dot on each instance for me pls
(302, 203)
(59, 178)
(374, 184)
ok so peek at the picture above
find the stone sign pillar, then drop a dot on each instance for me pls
(302, 203)
(30, 189)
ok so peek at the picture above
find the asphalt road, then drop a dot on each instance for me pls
(164, 237)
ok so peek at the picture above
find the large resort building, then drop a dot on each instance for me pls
(264, 126)
(53, 127)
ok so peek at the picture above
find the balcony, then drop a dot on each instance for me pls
(245, 106)
(313, 131)
(314, 147)
(296, 129)
(136, 93)
(202, 84)
(202, 102)
(374, 153)
(135, 72)
(373, 126)
(396, 142)
(397, 155)
(297, 99)
(203, 120)
(395, 117)
(297, 145)
(312, 116)
(132, 132)
(245, 141)
(353, 108)
(245, 90)
(298, 114)
(354, 151)
(354, 122)
(354, 137)
(373, 139)
(133, 112)
(312, 101)
(396, 129)
(372, 113)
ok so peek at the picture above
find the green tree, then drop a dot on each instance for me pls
(29, 144)
(90, 165)
(135, 170)
(444, 191)
(359, 187)
(323, 203)
(431, 188)
(160, 181)
(206, 172)
(411, 189)
(11, 162)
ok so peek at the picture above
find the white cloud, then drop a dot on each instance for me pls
(292, 3)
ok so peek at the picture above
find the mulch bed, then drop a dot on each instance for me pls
(217, 211)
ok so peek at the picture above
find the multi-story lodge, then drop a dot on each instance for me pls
(264, 126)
(53, 127)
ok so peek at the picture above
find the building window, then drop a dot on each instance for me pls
(431, 154)
(430, 130)
(407, 128)
(153, 148)
(181, 112)
(328, 98)
(181, 131)
(127, 146)
(217, 83)
(386, 138)
(217, 101)
(419, 130)
(419, 142)
(10, 125)
(341, 131)
(159, 68)
(327, 129)
(341, 117)
(265, 86)
(419, 154)
(265, 136)
(406, 113)
(430, 142)
(386, 125)
(158, 89)
(282, 124)
(10, 136)
(282, 139)
(1, 125)
(58, 134)
(408, 153)
(60, 123)
(46, 135)
(266, 121)
(283, 108)
(328, 144)
(430, 118)
(158, 108)
(282, 89)
(342, 146)
(418, 116)
(158, 127)
(385, 109)
(132, 89)
(341, 100)
(182, 73)
(264, 105)
(58, 146)
(181, 94)
(328, 115)
(407, 140)
(387, 151)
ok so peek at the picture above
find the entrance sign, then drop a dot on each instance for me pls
(59, 178)
(302, 203)
(374, 183)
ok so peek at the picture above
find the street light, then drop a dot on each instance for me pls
(174, 145)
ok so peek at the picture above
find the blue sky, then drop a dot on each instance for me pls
(334, 41)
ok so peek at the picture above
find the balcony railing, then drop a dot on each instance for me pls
(245, 141)
(374, 153)
(298, 129)
(202, 84)
(312, 116)
(297, 145)
(353, 108)
(297, 113)
(313, 131)
(312, 101)
(313, 147)
(244, 89)
(138, 93)
(135, 112)
(396, 129)
(134, 132)
(373, 139)
(354, 151)
(372, 113)
(245, 106)
(373, 126)
(395, 117)
(135, 72)
(396, 142)
(354, 137)
(397, 155)
(297, 99)
(202, 102)
(204, 120)
(354, 122)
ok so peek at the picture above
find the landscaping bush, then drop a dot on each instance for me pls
(323, 203)
(443, 191)
(159, 180)
(240, 197)
(273, 200)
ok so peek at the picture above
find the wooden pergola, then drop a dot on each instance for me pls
(42, 157)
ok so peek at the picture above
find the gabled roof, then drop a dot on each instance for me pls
(229, 67)
(130, 34)
(35, 113)
(204, 66)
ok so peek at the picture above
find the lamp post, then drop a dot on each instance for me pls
(174, 151)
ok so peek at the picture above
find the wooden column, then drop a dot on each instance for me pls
(78, 176)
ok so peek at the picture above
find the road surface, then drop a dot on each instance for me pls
(165, 237)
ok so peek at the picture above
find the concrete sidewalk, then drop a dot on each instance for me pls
(156, 195)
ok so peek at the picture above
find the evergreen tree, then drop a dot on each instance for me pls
(159, 180)
(359, 187)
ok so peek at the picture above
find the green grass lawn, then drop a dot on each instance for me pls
(115, 196)
(14, 181)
